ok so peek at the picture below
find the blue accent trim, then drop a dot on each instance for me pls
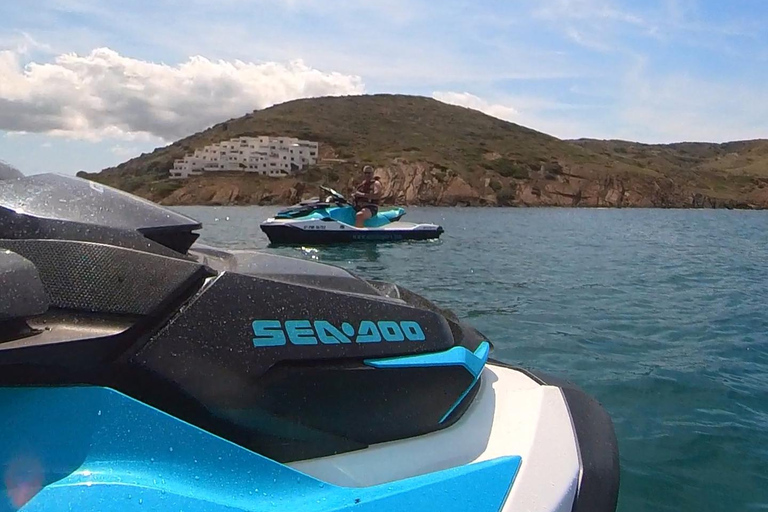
(481, 352)
(456, 356)
(346, 214)
(458, 400)
(94, 448)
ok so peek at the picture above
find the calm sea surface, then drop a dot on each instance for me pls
(660, 314)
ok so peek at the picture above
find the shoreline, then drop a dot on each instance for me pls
(510, 207)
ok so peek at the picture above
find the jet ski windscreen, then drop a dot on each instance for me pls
(48, 200)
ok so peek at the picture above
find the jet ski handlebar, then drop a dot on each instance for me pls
(337, 197)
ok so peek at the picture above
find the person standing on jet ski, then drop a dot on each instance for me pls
(367, 197)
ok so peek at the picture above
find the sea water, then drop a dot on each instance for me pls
(662, 315)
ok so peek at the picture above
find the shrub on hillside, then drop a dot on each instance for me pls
(509, 168)
(506, 195)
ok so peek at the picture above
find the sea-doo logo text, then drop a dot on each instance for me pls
(274, 333)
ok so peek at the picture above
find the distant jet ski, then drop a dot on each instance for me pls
(333, 221)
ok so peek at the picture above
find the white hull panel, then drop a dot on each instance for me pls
(510, 415)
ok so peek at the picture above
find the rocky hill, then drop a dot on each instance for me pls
(428, 152)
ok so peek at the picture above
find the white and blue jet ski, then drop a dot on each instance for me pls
(142, 371)
(333, 221)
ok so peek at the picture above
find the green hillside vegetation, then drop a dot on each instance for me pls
(455, 142)
(742, 158)
(711, 166)
(375, 129)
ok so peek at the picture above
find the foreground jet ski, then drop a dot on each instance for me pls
(142, 371)
(333, 221)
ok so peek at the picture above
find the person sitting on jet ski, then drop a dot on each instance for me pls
(367, 197)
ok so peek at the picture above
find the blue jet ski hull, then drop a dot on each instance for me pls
(322, 223)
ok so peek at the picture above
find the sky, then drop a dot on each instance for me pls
(87, 84)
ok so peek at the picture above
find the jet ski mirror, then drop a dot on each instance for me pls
(23, 292)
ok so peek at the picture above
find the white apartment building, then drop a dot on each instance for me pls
(270, 156)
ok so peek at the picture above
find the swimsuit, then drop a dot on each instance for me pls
(370, 204)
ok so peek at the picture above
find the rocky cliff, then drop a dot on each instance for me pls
(421, 183)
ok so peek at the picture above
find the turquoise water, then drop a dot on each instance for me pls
(659, 314)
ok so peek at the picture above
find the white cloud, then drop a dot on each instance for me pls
(23, 43)
(124, 151)
(397, 11)
(599, 25)
(566, 121)
(604, 25)
(586, 10)
(652, 108)
(682, 107)
(465, 99)
(106, 95)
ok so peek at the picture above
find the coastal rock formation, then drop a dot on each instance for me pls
(421, 183)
